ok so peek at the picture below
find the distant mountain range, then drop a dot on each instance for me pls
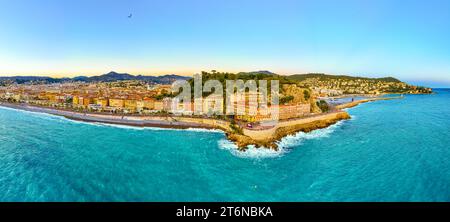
(262, 72)
(109, 77)
(169, 79)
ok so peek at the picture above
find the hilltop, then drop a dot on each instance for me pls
(336, 85)
(323, 76)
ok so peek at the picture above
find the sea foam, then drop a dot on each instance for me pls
(149, 128)
(36, 113)
(50, 116)
(284, 145)
(298, 138)
(251, 152)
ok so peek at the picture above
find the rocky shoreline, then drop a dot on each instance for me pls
(144, 121)
(266, 138)
(269, 138)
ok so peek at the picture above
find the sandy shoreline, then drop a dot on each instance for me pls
(144, 121)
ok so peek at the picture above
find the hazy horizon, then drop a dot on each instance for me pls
(426, 83)
(408, 41)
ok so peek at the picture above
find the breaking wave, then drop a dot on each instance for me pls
(251, 152)
(299, 138)
(50, 116)
(284, 145)
(36, 113)
(203, 130)
(119, 126)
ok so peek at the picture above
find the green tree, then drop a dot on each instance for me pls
(306, 94)
(286, 99)
(323, 105)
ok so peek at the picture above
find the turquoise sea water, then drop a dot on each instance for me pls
(396, 150)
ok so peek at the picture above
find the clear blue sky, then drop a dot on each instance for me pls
(409, 40)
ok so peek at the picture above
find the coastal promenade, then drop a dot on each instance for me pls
(261, 137)
(268, 138)
(267, 133)
(176, 122)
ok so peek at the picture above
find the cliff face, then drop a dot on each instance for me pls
(314, 107)
(301, 95)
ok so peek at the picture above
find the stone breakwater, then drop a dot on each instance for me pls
(357, 102)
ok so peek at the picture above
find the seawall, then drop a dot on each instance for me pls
(268, 137)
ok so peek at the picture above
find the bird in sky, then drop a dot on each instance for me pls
(131, 15)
